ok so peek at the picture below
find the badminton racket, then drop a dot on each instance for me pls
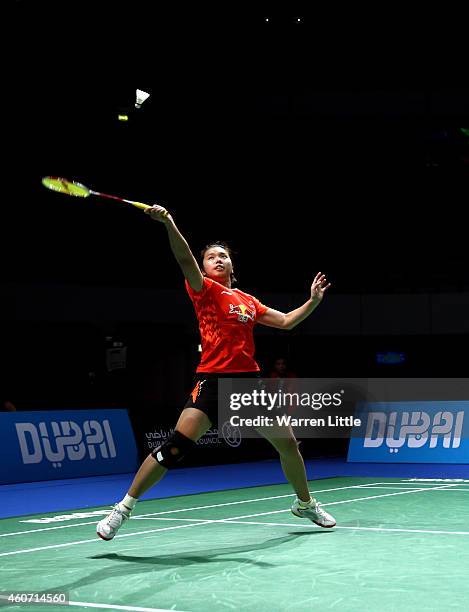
(72, 188)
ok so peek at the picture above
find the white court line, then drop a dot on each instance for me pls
(359, 528)
(96, 539)
(243, 501)
(167, 518)
(345, 501)
(387, 495)
(406, 530)
(203, 522)
(418, 484)
(116, 607)
(5, 535)
(87, 604)
(432, 481)
(416, 490)
(405, 488)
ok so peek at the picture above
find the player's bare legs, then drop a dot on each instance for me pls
(293, 467)
(191, 425)
(291, 460)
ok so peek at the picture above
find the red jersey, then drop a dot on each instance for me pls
(226, 321)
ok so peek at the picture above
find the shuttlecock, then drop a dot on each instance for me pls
(141, 97)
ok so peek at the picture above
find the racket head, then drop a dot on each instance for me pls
(62, 185)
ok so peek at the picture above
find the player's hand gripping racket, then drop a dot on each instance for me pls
(80, 191)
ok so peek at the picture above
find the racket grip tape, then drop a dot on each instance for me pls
(140, 205)
(145, 206)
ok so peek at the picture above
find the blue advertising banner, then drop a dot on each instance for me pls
(411, 432)
(65, 444)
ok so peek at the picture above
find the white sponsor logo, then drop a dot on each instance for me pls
(413, 429)
(66, 440)
(211, 437)
(231, 434)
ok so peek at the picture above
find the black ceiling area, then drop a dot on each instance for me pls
(306, 143)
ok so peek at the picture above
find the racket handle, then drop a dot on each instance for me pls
(145, 206)
(140, 205)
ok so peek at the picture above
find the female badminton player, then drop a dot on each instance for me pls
(226, 319)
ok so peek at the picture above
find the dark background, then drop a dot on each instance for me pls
(331, 144)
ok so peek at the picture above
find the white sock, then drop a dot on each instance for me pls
(304, 504)
(128, 502)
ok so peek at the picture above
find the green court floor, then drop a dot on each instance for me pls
(398, 545)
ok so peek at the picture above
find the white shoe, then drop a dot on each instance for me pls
(109, 526)
(314, 512)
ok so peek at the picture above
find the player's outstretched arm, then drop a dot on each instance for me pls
(179, 247)
(289, 320)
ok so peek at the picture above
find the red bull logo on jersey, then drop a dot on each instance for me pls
(243, 312)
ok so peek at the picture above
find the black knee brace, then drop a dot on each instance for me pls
(173, 450)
